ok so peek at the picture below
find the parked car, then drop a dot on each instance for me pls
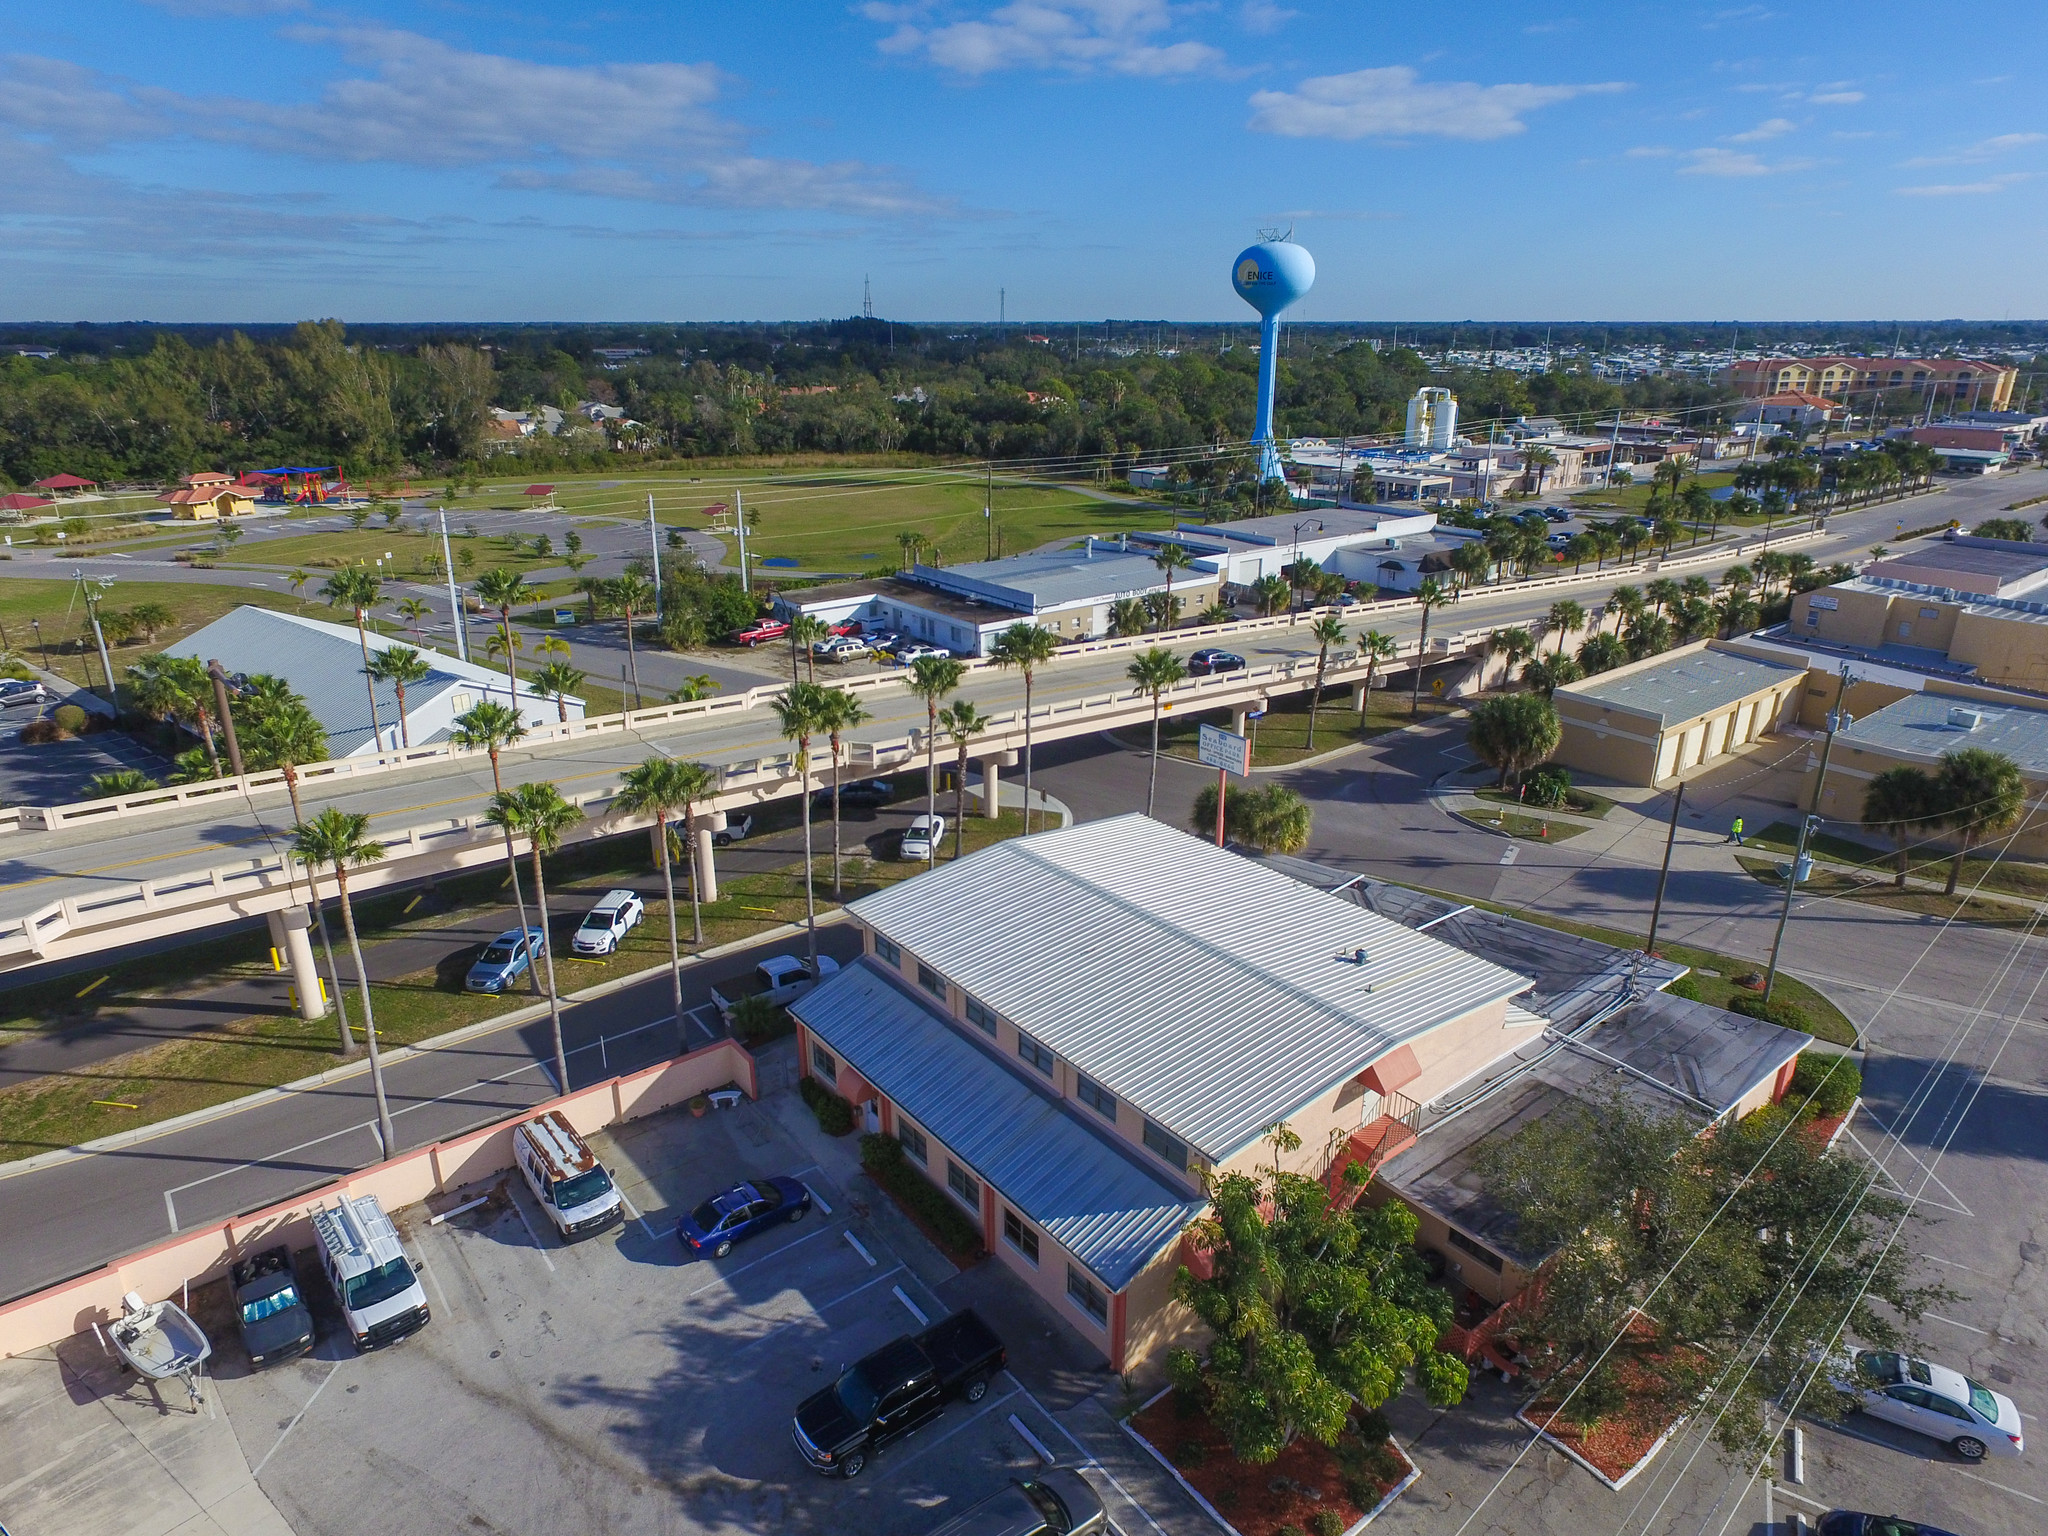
(274, 1322)
(1209, 660)
(379, 1291)
(841, 648)
(504, 960)
(15, 690)
(760, 632)
(909, 653)
(1934, 1400)
(895, 1392)
(616, 914)
(1348, 600)
(881, 639)
(1058, 1502)
(738, 826)
(781, 979)
(740, 1213)
(855, 792)
(574, 1189)
(845, 627)
(922, 837)
(1557, 514)
(1846, 1522)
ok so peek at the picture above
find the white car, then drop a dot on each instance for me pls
(922, 837)
(737, 826)
(905, 655)
(841, 648)
(1970, 1418)
(616, 914)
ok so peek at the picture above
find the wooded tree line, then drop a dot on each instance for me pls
(322, 394)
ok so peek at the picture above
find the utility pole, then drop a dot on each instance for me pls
(1837, 720)
(654, 543)
(1670, 837)
(988, 515)
(739, 508)
(227, 714)
(92, 612)
(455, 614)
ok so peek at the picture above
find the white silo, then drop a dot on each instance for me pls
(1432, 418)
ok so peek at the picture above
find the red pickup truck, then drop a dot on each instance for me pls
(760, 632)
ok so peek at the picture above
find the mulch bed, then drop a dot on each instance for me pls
(1260, 1500)
(1619, 1443)
(961, 1259)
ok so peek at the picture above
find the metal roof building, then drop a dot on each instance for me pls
(1680, 686)
(323, 663)
(1216, 995)
(1085, 1192)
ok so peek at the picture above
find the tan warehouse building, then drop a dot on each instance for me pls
(1646, 722)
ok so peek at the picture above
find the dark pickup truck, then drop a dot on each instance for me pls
(274, 1322)
(896, 1391)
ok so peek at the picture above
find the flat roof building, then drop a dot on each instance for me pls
(1644, 722)
(1966, 564)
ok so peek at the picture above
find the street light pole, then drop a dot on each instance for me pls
(1670, 837)
(1837, 720)
(455, 616)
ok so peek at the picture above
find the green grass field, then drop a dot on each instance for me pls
(56, 605)
(1633, 498)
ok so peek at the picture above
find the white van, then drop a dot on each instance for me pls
(380, 1295)
(565, 1176)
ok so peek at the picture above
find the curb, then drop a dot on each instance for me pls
(356, 1068)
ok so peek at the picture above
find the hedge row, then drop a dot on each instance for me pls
(883, 1158)
(835, 1115)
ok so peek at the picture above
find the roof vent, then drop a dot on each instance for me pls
(1965, 719)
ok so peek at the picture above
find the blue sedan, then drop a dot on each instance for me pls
(504, 960)
(740, 1212)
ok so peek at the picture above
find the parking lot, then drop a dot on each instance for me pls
(618, 1385)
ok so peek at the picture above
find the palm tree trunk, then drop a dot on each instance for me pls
(803, 758)
(1152, 779)
(1900, 881)
(348, 921)
(1027, 755)
(511, 670)
(1315, 699)
(369, 682)
(1421, 652)
(206, 736)
(668, 884)
(835, 816)
(547, 953)
(960, 802)
(1955, 866)
(404, 730)
(931, 778)
(512, 867)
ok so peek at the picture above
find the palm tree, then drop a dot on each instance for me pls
(1432, 594)
(1375, 646)
(1900, 800)
(284, 736)
(1576, 548)
(358, 589)
(663, 786)
(839, 713)
(1471, 562)
(122, 781)
(1605, 542)
(1271, 817)
(1027, 647)
(503, 590)
(1662, 592)
(797, 710)
(695, 687)
(1170, 558)
(1770, 567)
(400, 666)
(1602, 653)
(297, 582)
(151, 617)
(1735, 609)
(1671, 473)
(963, 722)
(931, 679)
(341, 838)
(539, 811)
(1977, 794)
(1535, 456)
(1127, 617)
(1270, 592)
(805, 631)
(1326, 632)
(1157, 669)
(1514, 732)
(491, 727)
(1515, 643)
(632, 596)
(558, 681)
(412, 610)
(176, 688)
(1700, 507)
(1564, 617)
(913, 544)
(1547, 674)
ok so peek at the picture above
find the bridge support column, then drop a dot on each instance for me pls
(992, 767)
(707, 868)
(289, 932)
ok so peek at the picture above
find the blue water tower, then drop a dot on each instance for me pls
(1270, 276)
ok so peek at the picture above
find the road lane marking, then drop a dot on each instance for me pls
(765, 1258)
(1968, 1327)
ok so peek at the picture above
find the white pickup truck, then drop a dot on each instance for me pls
(781, 979)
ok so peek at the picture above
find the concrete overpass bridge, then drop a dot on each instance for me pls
(81, 879)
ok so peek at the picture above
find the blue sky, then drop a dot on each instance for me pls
(444, 159)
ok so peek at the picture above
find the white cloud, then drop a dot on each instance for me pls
(1556, 24)
(1770, 128)
(231, 7)
(1649, 152)
(1263, 16)
(1124, 37)
(1836, 98)
(1985, 188)
(1392, 103)
(1982, 150)
(1729, 162)
(77, 108)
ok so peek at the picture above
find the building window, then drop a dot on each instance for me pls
(963, 1184)
(1465, 1244)
(823, 1063)
(1169, 1149)
(887, 952)
(981, 1017)
(1095, 1096)
(913, 1140)
(1020, 1237)
(931, 981)
(1034, 1053)
(1087, 1295)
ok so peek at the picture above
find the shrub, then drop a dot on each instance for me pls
(883, 1158)
(1775, 1011)
(1327, 1522)
(1190, 1453)
(1551, 787)
(70, 718)
(1687, 987)
(1290, 1530)
(755, 1020)
(879, 1153)
(1828, 1083)
(39, 733)
(835, 1115)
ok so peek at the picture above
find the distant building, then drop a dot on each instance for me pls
(1965, 449)
(324, 665)
(208, 496)
(1432, 418)
(1791, 408)
(1646, 722)
(1961, 383)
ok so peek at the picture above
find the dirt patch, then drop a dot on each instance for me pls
(1649, 1405)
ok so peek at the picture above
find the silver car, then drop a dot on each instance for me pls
(1972, 1419)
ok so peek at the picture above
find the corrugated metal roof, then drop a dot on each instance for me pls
(1085, 1192)
(1214, 994)
(324, 665)
(1684, 686)
(1053, 578)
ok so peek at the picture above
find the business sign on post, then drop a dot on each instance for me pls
(1224, 749)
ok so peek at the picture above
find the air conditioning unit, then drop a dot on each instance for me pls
(1965, 719)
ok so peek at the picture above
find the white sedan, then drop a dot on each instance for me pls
(1970, 1418)
(921, 839)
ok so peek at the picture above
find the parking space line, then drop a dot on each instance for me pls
(636, 1216)
(1037, 1445)
(979, 1414)
(1968, 1327)
(817, 1199)
(1975, 1478)
(858, 1246)
(914, 1309)
(757, 1263)
(513, 1200)
(1090, 1459)
(257, 1470)
(818, 1309)
(435, 1281)
(1786, 1493)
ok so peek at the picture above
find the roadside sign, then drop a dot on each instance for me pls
(1223, 749)
(565, 615)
